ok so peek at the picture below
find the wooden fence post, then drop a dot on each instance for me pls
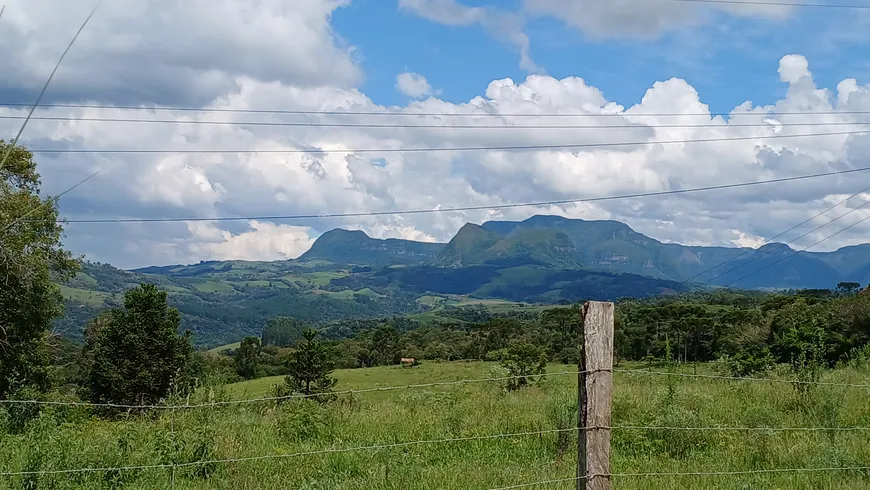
(595, 391)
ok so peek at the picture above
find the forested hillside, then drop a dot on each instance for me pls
(542, 260)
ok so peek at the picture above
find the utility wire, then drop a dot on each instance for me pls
(44, 203)
(439, 149)
(769, 240)
(801, 250)
(47, 82)
(466, 208)
(779, 3)
(388, 113)
(303, 124)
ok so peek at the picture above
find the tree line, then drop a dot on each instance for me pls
(744, 331)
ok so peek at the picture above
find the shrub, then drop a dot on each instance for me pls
(524, 361)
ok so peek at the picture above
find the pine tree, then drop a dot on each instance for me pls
(136, 356)
(310, 367)
(247, 357)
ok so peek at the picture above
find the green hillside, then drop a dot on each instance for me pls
(355, 247)
(542, 260)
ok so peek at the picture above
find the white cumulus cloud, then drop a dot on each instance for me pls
(413, 85)
(265, 170)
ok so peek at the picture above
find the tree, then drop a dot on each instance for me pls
(247, 358)
(136, 356)
(282, 331)
(847, 288)
(31, 261)
(522, 360)
(310, 366)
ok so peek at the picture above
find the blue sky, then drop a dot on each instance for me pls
(729, 60)
(316, 55)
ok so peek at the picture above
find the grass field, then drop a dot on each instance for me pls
(64, 438)
(221, 348)
(92, 298)
(438, 303)
(313, 279)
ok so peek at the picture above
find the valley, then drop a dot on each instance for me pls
(543, 260)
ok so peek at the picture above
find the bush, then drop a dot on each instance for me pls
(18, 415)
(524, 361)
(304, 420)
(747, 362)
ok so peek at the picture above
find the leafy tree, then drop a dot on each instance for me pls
(135, 354)
(247, 358)
(310, 367)
(31, 260)
(383, 346)
(847, 288)
(282, 331)
(522, 360)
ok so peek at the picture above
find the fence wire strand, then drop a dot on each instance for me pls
(294, 455)
(295, 395)
(174, 465)
(682, 474)
(425, 385)
(738, 378)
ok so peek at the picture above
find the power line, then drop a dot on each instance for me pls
(304, 124)
(45, 203)
(388, 113)
(803, 249)
(47, 83)
(567, 146)
(763, 254)
(465, 208)
(778, 3)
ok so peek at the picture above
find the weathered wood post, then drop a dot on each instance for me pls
(595, 392)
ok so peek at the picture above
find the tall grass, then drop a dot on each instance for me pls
(70, 438)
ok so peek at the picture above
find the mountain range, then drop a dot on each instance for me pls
(542, 260)
(602, 246)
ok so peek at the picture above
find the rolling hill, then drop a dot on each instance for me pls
(544, 259)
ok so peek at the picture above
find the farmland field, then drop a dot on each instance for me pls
(394, 417)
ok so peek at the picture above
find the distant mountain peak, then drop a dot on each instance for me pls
(774, 247)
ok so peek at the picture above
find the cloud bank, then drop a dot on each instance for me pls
(259, 180)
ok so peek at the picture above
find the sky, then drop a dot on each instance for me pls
(661, 70)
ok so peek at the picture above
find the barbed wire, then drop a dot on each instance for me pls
(416, 386)
(696, 473)
(292, 455)
(738, 378)
(729, 428)
(294, 395)
(373, 447)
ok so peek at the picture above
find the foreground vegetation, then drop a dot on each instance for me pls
(69, 438)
